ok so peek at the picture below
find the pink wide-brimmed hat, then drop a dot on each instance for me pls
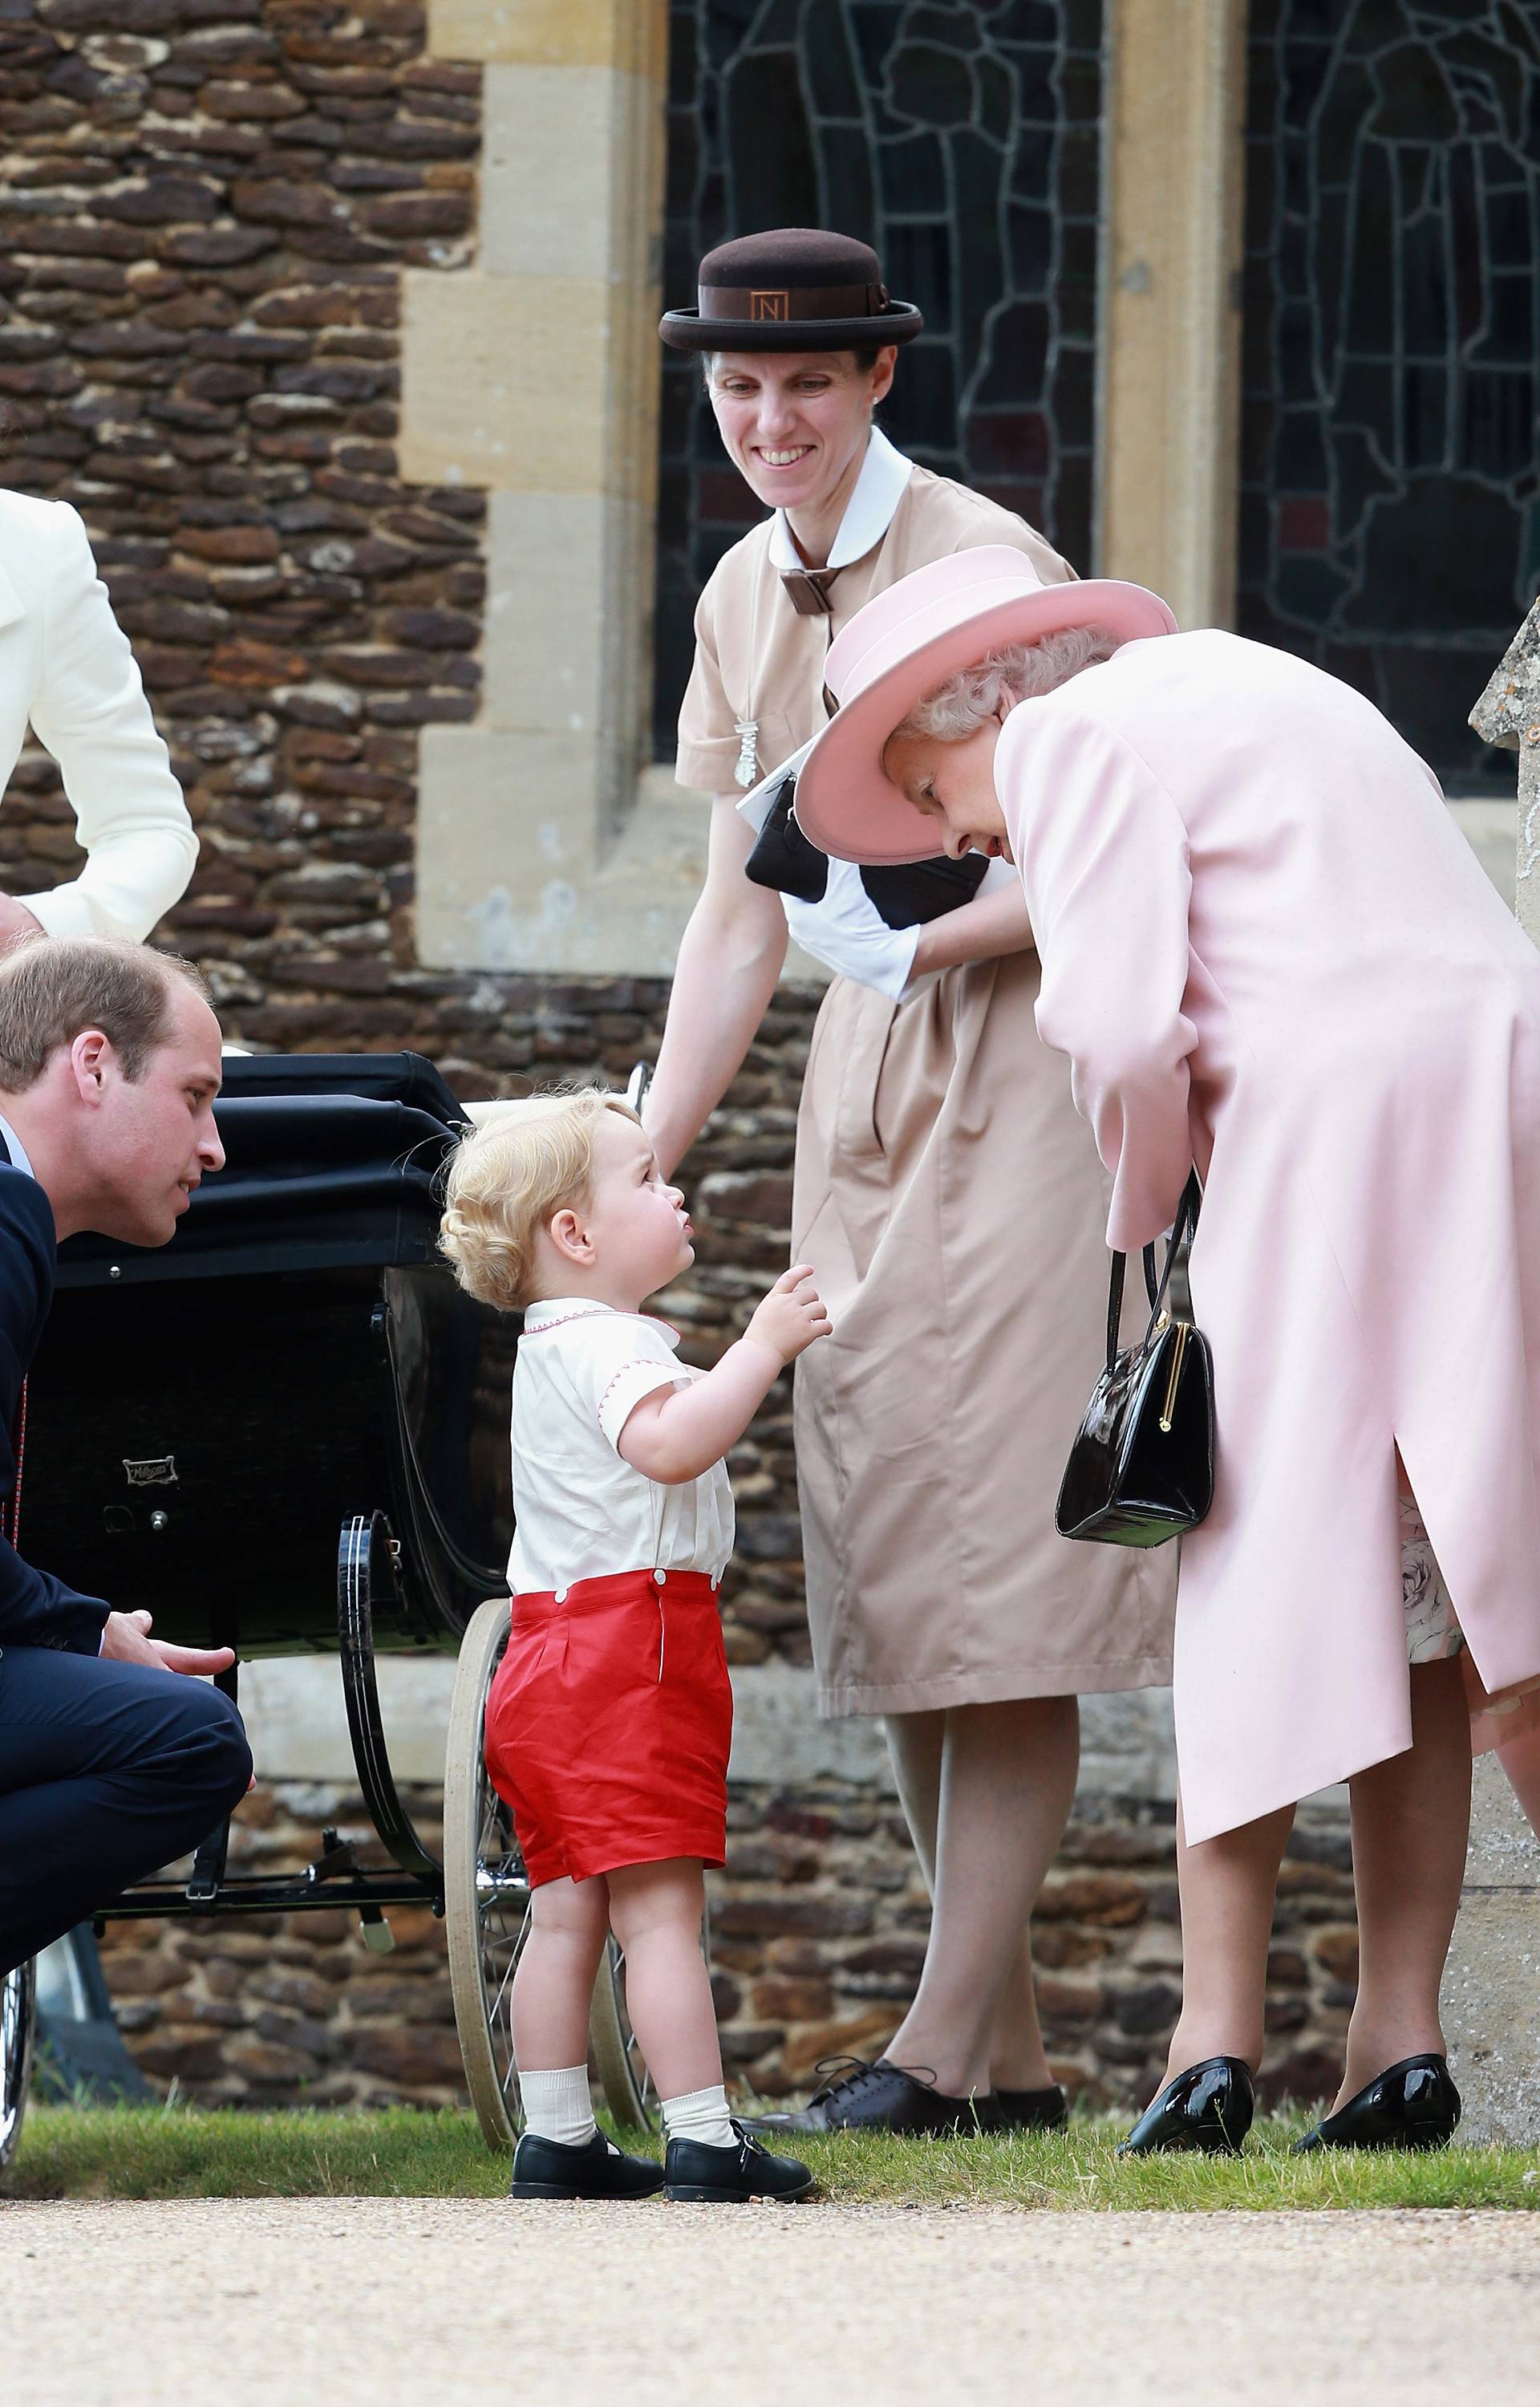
(902, 645)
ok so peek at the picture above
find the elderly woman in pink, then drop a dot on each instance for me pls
(1266, 950)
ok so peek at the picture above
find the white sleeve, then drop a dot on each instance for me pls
(614, 1363)
(90, 711)
(848, 933)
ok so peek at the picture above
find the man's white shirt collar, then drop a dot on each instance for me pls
(15, 1147)
(868, 512)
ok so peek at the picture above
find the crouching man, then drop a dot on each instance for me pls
(110, 1764)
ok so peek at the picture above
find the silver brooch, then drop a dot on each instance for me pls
(747, 731)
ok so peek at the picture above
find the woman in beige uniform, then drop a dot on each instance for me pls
(944, 1189)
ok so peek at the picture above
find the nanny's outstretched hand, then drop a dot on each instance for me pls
(791, 1315)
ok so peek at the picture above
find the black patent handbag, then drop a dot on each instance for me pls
(1141, 1469)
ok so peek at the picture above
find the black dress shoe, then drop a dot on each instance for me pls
(1026, 2110)
(1209, 2107)
(694, 2169)
(1413, 2105)
(880, 2097)
(551, 2169)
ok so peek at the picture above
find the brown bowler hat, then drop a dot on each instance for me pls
(795, 290)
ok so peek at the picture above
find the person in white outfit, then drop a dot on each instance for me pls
(66, 668)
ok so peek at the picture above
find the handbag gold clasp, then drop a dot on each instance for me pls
(1179, 1350)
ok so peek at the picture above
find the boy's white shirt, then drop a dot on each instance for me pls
(581, 1511)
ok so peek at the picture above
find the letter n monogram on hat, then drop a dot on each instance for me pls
(797, 289)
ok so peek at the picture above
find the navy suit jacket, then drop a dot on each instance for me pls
(35, 1609)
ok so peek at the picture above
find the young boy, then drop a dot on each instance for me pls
(609, 1722)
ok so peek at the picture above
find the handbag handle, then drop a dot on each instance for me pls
(1174, 1287)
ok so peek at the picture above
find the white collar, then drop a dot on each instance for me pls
(15, 1147)
(556, 1311)
(868, 512)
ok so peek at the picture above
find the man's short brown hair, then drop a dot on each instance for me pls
(56, 987)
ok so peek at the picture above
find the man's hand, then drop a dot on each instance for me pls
(791, 1315)
(16, 921)
(126, 1639)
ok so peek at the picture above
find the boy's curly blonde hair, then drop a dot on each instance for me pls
(524, 1162)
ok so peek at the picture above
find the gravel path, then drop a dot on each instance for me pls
(388, 2303)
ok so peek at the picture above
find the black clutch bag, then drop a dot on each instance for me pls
(905, 895)
(1141, 1469)
(783, 856)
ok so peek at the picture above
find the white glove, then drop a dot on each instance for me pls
(847, 933)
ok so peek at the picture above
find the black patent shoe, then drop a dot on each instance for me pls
(880, 2097)
(1209, 2107)
(694, 2171)
(1025, 2110)
(1413, 2105)
(551, 2169)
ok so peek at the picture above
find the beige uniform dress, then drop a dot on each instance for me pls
(952, 1204)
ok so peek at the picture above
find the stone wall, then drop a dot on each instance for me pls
(207, 206)
(818, 1925)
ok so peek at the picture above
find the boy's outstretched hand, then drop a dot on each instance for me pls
(791, 1315)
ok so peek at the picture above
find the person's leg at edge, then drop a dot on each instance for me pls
(1520, 1760)
(548, 2007)
(986, 1795)
(1412, 1820)
(108, 1772)
(655, 1913)
(1227, 1887)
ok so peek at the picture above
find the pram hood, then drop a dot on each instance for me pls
(331, 1160)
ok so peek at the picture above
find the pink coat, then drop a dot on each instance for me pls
(1265, 946)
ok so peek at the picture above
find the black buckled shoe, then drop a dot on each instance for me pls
(880, 2097)
(1209, 2107)
(1025, 2110)
(694, 2171)
(1415, 2104)
(551, 2169)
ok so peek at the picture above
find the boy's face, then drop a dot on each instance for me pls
(638, 1226)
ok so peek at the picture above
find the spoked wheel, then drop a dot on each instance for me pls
(17, 2020)
(486, 1891)
(629, 2090)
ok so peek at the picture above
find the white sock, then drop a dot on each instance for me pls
(699, 2114)
(557, 2105)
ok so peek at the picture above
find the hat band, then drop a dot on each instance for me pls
(780, 304)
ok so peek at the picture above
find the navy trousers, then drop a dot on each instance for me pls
(108, 1772)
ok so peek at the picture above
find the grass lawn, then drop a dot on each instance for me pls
(181, 2152)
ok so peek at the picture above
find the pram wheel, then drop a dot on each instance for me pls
(485, 1892)
(17, 2019)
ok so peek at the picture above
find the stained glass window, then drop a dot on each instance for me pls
(962, 141)
(1390, 524)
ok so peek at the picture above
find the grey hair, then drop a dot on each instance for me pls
(1015, 673)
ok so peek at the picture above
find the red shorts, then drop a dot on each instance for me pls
(609, 1724)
